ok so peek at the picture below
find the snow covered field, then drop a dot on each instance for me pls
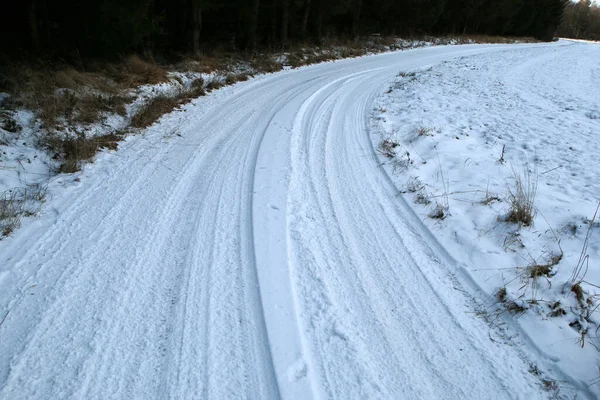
(250, 245)
(462, 131)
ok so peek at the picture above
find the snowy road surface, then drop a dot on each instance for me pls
(249, 246)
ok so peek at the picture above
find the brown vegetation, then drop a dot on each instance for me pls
(72, 152)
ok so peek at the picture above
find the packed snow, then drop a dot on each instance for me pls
(462, 133)
(251, 245)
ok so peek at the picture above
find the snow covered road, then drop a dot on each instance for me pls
(249, 246)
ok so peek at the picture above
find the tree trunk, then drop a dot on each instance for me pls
(285, 20)
(252, 41)
(319, 22)
(305, 19)
(356, 18)
(196, 27)
(34, 36)
(274, 23)
(182, 38)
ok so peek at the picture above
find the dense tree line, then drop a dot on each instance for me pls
(581, 21)
(108, 27)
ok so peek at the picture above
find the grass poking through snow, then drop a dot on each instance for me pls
(17, 203)
(521, 198)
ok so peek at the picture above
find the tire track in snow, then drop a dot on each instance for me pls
(346, 272)
(161, 289)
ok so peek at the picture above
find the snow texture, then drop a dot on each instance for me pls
(464, 128)
(251, 246)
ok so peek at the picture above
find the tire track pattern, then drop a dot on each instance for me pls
(150, 279)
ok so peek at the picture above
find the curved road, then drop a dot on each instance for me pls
(249, 246)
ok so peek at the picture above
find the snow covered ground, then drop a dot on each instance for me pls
(461, 132)
(250, 246)
(28, 165)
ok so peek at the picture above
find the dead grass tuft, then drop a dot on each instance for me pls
(70, 78)
(18, 203)
(78, 108)
(265, 63)
(557, 310)
(153, 110)
(510, 305)
(62, 94)
(424, 132)
(232, 78)
(214, 85)
(387, 148)
(501, 294)
(439, 212)
(535, 271)
(496, 39)
(72, 152)
(581, 269)
(489, 199)
(578, 291)
(139, 72)
(414, 185)
(521, 199)
(514, 308)
(197, 88)
(348, 52)
(422, 197)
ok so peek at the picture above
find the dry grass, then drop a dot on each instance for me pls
(535, 271)
(439, 212)
(265, 63)
(205, 64)
(489, 199)
(501, 294)
(214, 85)
(72, 152)
(414, 185)
(156, 107)
(196, 89)
(134, 72)
(349, 52)
(18, 203)
(387, 148)
(62, 95)
(422, 197)
(521, 199)
(576, 288)
(71, 108)
(424, 132)
(496, 39)
(580, 270)
(557, 310)
(230, 79)
(153, 110)
(8, 123)
(69, 78)
(510, 305)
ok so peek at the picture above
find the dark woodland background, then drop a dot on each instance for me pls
(73, 29)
